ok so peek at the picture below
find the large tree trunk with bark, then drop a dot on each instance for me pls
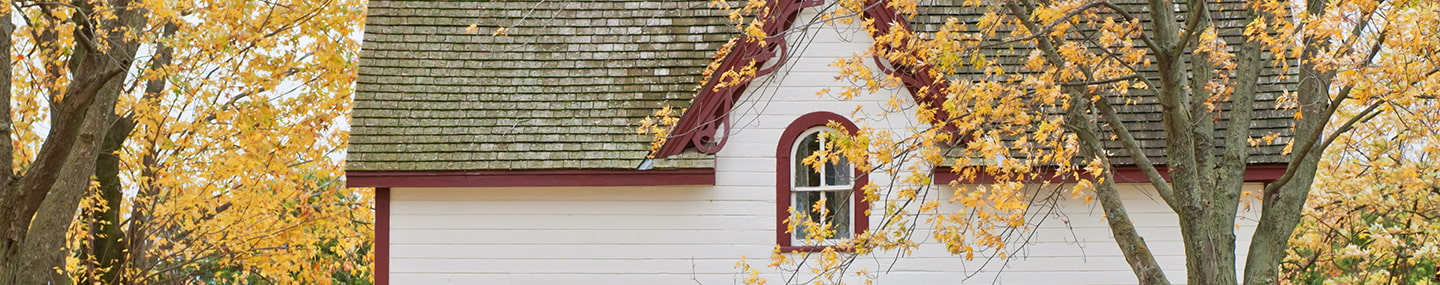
(40, 209)
(108, 243)
(1284, 199)
(1206, 179)
(8, 190)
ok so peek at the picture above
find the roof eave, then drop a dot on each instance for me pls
(531, 178)
(1254, 172)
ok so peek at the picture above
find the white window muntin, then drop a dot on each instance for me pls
(839, 186)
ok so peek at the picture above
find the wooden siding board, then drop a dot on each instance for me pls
(546, 232)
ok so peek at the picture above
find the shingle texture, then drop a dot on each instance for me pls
(562, 88)
(1142, 114)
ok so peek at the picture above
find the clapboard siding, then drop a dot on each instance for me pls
(696, 234)
(533, 207)
(487, 236)
(551, 278)
(1058, 252)
(599, 235)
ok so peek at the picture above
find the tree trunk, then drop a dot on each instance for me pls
(108, 241)
(9, 194)
(1281, 210)
(44, 249)
(116, 249)
(1209, 239)
(1132, 245)
(49, 193)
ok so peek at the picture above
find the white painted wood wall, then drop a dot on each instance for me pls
(695, 234)
(671, 235)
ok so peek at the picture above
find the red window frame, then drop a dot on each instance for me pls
(783, 193)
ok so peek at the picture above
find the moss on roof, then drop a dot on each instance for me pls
(562, 88)
(1142, 115)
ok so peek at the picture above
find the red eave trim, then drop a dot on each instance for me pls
(705, 126)
(926, 88)
(1266, 172)
(531, 178)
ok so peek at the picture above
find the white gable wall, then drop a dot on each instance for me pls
(695, 234)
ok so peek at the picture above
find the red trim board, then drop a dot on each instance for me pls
(382, 236)
(531, 178)
(1127, 174)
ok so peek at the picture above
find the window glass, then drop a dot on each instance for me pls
(806, 176)
(805, 205)
(838, 173)
(839, 205)
(837, 211)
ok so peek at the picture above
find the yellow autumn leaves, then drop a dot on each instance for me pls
(1372, 217)
(232, 171)
(1002, 119)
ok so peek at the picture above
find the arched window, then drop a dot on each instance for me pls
(800, 186)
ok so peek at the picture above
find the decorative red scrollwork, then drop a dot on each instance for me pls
(706, 123)
(915, 77)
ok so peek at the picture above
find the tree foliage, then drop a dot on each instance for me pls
(159, 141)
(1051, 116)
(1373, 218)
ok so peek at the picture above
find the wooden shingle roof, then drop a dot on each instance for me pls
(1142, 115)
(562, 88)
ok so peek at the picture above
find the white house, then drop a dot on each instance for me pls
(500, 136)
